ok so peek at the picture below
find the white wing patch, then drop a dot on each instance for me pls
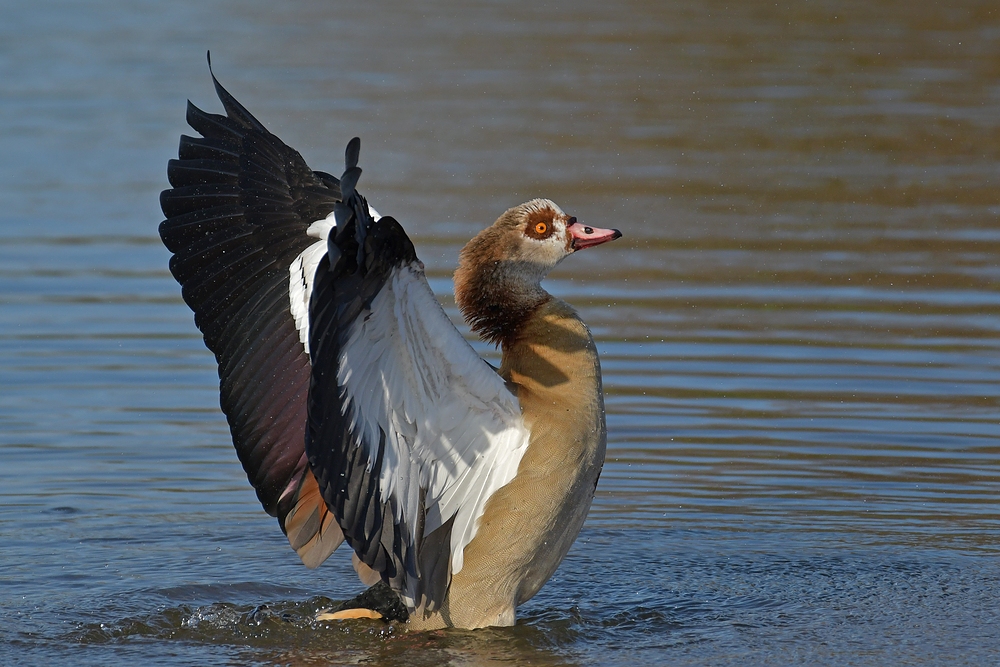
(302, 271)
(452, 427)
(300, 285)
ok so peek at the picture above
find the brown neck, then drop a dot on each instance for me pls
(496, 296)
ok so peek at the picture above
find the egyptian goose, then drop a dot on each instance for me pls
(358, 410)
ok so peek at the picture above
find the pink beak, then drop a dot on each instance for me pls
(584, 237)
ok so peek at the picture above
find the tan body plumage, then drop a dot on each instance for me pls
(529, 525)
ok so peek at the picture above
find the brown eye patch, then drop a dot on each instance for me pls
(539, 224)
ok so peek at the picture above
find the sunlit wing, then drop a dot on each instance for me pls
(410, 431)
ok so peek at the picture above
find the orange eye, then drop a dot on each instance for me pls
(541, 228)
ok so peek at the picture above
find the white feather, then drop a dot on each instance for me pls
(452, 425)
(302, 271)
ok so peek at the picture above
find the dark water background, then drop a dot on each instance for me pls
(800, 330)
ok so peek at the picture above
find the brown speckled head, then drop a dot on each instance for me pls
(497, 283)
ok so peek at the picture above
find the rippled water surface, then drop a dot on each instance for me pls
(800, 330)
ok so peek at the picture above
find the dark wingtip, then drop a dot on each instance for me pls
(233, 108)
(348, 182)
(219, 90)
(208, 56)
(352, 153)
(353, 202)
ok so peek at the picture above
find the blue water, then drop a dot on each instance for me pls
(799, 331)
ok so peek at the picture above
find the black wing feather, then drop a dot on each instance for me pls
(361, 258)
(203, 148)
(236, 218)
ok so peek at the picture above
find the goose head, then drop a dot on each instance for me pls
(498, 280)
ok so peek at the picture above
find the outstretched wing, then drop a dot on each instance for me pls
(410, 431)
(245, 221)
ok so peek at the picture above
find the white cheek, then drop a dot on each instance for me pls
(545, 252)
(554, 247)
